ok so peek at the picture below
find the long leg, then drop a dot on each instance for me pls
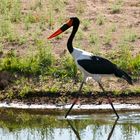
(74, 130)
(111, 132)
(76, 98)
(109, 100)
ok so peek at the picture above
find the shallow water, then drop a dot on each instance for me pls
(29, 125)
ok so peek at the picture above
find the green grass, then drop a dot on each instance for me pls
(25, 90)
(6, 28)
(100, 20)
(116, 7)
(130, 36)
(112, 28)
(80, 35)
(107, 38)
(86, 24)
(65, 68)
(11, 10)
(70, 67)
(37, 63)
(125, 60)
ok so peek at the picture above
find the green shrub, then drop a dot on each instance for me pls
(6, 27)
(70, 67)
(37, 63)
(24, 91)
(64, 68)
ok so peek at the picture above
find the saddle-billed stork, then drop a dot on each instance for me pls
(90, 65)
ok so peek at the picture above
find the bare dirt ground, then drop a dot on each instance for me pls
(127, 18)
(61, 99)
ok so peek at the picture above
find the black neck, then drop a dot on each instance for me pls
(70, 40)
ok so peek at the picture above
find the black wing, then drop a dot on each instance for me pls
(97, 65)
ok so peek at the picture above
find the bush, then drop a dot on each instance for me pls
(37, 63)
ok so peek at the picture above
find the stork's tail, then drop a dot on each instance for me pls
(122, 74)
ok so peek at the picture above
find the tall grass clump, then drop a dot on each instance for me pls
(36, 64)
(100, 20)
(10, 61)
(107, 38)
(25, 90)
(11, 10)
(8, 34)
(6, 28)
(116, 6)
(70, 67)
(10, 15)
(86, 24)
(94, 38)
(135, 64)
(65, 68)
(130, 36)
(125, 60)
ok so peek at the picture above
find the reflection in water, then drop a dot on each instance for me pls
(112, 130)
(74, 130)
(77, 133)
(26, 125)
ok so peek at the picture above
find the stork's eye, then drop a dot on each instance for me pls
(67, 20)
(70, 22)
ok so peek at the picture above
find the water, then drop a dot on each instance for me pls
(29, 125)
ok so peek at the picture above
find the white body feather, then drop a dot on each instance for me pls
(79, 54)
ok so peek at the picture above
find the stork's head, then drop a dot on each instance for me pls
(73, 21)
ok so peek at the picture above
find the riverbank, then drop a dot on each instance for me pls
(62, 99)
(63, 91)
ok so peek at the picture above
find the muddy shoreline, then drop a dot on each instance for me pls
(58, 103)
(55, 98)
